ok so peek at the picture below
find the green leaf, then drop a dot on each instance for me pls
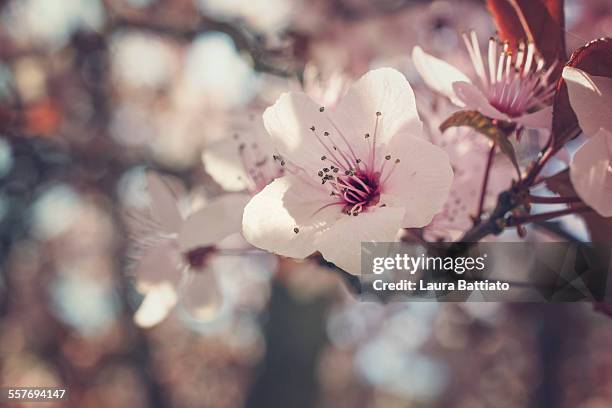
(498, 131)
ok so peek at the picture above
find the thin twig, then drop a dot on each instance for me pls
(515, 221)
(485, 183)
(552, 200)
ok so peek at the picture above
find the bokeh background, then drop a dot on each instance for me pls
(93, 92)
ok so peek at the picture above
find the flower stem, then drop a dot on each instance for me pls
(515, 221)
(552, 200)
(485, 182)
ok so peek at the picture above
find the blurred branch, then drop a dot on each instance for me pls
(187, 27)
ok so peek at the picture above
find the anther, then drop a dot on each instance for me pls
(323, 157)
(322, 108)
(378, 113)
(325, 133)
(312, 128)
(296, 230)
(388, 157)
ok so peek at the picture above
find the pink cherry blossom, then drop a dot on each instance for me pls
(591, 166)
(468, 153)
(356, 173)
(512, 87)
(242, 162)
(173, 248)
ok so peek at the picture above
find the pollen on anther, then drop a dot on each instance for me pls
(367, 135)
(312, 128)
(323, 157)
(326, 133)
(296, 230)
(378, 113)
(320, 173)
(322, 108)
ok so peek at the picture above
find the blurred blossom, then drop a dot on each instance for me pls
(85, 303)
(411, 326)
(51, 22)
(351, 324)
(143, 60)
(55, 211)
(216, 71)
(132, 188)
(263, 15)
(411, 375)
(131, 125)
(189, 253)
(5, 80)
(30, 78)
(28, 370)
(6, 157)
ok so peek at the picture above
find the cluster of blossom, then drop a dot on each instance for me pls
(320, 172)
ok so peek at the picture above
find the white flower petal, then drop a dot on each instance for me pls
(220, 218)
(285, 204)
(164, 192)
(438, 74)
(541, 119)
(160, 264)
(474, 98)
(155, 306)
(420, 182)
(591, 98)
(342, 243)
(591, 174)
(201, 297)
(289, 123)
(222, 162)
(382, 90)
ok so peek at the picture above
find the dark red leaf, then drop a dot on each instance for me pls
(539, 21)
(595, 58)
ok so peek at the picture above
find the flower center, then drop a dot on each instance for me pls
(198, 258)
(514, 83)
(358, 191)
(354, 181)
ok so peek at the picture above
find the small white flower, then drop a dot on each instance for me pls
(355, 173)
(174, 250)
